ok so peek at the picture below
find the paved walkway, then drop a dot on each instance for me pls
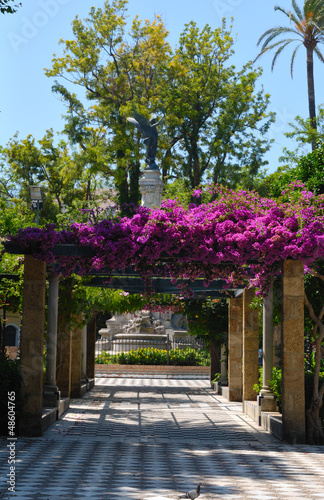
(151, 439)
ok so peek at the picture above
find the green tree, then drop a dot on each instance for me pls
(303, 132)
(119, 74)
(307, 30)
(208, 319)
(309, 170)
(214, 112)
(216, 120)
(8, 9)
(14, 212)
(69, 179)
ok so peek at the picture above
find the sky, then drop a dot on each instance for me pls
(29, 38)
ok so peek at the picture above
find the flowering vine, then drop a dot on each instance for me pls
(240, 237)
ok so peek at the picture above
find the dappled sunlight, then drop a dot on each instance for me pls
(139, 440)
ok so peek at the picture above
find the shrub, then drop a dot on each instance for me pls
(152, 356)
(275, 384)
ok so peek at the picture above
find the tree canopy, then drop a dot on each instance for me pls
(216, 116)
(8, 9)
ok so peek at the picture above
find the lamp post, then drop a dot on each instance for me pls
(36, 195)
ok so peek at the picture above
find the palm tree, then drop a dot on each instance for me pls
(307, 25)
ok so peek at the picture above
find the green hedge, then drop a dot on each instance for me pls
(151, 356)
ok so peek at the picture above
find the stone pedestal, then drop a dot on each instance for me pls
(235, 379)
(151, 187)
(32, 346)
(250, 346)
(114, 326)
(292, 344)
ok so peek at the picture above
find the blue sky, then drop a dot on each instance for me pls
(30, 37)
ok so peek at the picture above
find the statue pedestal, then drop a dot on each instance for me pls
(151, 187)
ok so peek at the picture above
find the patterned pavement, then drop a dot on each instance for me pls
(151, 439)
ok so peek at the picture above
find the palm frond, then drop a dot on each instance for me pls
(319, 54)
(314, 6)
(297, 10)
(283, 44)
(278, 52)
(307, 23)
(293, 60)
(288, 13)
(273, 33)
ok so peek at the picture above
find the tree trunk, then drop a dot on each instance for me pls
(134, 175)
(311, 90)
(315, 433)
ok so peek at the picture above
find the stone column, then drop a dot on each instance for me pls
(268, 401)
(292, 357)
(51, 392)
(64, 362)
(76, 362)
(32, 346)
(91, 344)
(151, 187)
(84, 354)
(223, 379)
(250, 346)
(235, 349)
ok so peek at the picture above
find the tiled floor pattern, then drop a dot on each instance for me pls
(150, 439)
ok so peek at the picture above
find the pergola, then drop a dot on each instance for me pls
(242, 353)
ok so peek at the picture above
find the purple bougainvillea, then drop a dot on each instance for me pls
(239, 237)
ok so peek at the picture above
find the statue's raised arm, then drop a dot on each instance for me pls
(149, 132)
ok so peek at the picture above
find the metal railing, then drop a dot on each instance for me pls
(122, 345)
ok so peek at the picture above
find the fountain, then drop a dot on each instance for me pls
(144, 329)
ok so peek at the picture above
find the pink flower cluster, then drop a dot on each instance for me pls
(240, 237)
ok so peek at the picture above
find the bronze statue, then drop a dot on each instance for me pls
(149, 132)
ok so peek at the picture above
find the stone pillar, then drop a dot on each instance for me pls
(292, 358)
(250, 346)
(32, 346)
(91, 344)
(51, 392)
(235, 349)
(76, 363)
(267, 399)
(64, 362)
(84, 354)
(151, 187)
(223, 379)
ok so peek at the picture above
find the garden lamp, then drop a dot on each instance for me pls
(37, 198)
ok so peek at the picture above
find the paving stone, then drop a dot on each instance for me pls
(148, 439)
